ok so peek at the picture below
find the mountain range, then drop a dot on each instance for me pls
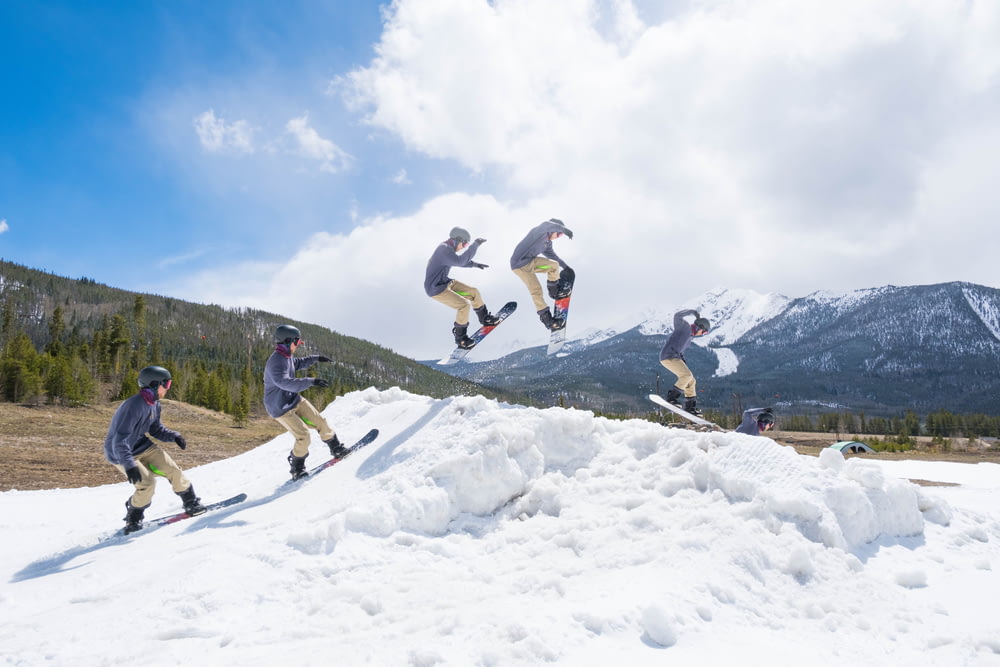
(880, 350)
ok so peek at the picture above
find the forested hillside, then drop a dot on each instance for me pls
(74, 341)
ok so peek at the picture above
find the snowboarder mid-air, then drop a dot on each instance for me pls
(284, 403)
(534, 254)
(756, 421)
(129, 448)
(672, 358)
(440, 287)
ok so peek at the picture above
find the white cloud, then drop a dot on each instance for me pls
(216, 135)
(311, 145)
(766, 145)
(402, 178)
(4, 227)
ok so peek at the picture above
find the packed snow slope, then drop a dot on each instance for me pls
(478, 533)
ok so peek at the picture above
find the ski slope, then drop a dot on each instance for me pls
(478, 533)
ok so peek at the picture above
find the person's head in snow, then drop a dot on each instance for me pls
(534, 255)
(672, 358)
(756, 421)
(129, 447)
(457, 251)
(283, 401)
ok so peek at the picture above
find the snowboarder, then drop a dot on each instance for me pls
(129, 448)
(440, 287)
(534, 254)
(672, 358)
(756, 420)
(284, 403)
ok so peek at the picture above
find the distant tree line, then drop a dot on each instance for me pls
(882, 433)
(71, 369)
(73, 341)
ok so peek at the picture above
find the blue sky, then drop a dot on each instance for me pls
(306, 157)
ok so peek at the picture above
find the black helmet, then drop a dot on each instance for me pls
(287, 334)
(703, 324)
(765, 418)
(459, 234)
(153, 376)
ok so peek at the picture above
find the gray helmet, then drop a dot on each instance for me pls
(459, 234)
(287, 334)
(153, 376)
(703, 324)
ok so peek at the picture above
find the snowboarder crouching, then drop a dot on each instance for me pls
(284, 403)
(672, 358)
(440, 287)
(756, 420)
(534, 254)
(129, 448)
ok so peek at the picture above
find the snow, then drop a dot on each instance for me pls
(479, 533)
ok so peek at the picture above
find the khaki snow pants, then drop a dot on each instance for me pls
(685, 378)
(298, 420)
(527, 275)
(458, 295)
(152, 463)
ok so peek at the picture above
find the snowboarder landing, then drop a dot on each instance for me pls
(756, 421)
(129, 448)
(672, 358)
(440, 287)
(283, 401)
(534, 254)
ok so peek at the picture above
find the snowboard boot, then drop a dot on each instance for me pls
(461, 338)
(485, 318)
(691, 406)
(673, 396)
(337, 449)
(297, 466)
(192, 503)
(551, 323)
(133, 517)
(563, 287)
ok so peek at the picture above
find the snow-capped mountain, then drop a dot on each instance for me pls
(880, 349)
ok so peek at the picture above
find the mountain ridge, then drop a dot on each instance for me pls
(880, 349)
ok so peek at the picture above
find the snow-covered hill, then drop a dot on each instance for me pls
(478, 533)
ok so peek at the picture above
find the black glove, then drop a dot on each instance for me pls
(320, 382)
(480, 241)
(181, 442)
(478, 265)
(323, 359)
(133, 474)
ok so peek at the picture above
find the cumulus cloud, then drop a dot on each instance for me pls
(4, 226)
(311, 145)
(765, 145)
(216, 135)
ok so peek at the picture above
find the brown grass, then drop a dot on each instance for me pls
(52, 447)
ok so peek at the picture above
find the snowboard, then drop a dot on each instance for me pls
(662, 402)
(368, 438)
(180, 516)
(477, 337)
(561, 311)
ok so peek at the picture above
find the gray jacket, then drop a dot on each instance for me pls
(680, 338)
(749, 423)
(137, 418)
(281, 387)
(436, 279)
(538, 244)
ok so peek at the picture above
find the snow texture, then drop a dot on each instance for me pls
(478, 533)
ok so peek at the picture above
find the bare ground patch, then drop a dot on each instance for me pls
(55, 447)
